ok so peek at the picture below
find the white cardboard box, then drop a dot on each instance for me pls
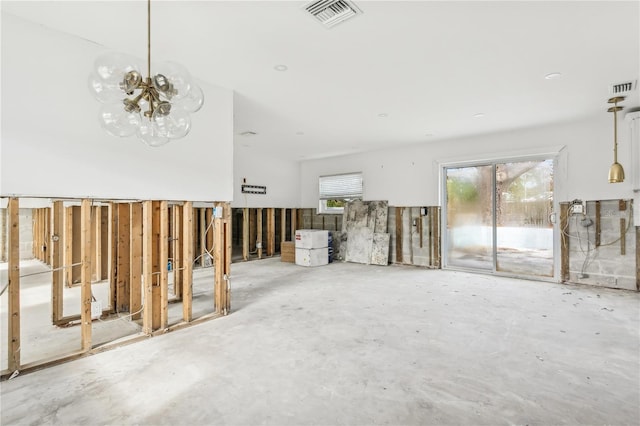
(312, 257)
(312, 238)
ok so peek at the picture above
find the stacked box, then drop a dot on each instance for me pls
(288, 251)
(312, 247)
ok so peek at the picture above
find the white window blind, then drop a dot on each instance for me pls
(340, 187)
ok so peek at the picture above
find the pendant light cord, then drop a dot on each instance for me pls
(149, 38)
(615, 131)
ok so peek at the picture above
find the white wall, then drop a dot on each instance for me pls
(409, 176)
(53, 146)
(281, 177)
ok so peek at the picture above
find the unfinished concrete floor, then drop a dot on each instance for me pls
(356, 344)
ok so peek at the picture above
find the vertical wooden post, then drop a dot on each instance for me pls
(294, 217)
(271, 231)
(147, 266)
(227, 255)
(222, 256)
(68, 246)
(564, 242)
(164, 260)
(187, 258)
(283, 226)
(85, 274)
(399, 211)
(209, 228)
(253, 229)
(203, 235)
(259, 232)
(123, 285)
(57, 279)
(13, 319)
(135, 272)
(177, 250)
(438, 238)
(97, 243)
(112, 247)
(245, 233)
(156, 267)
(598, 224)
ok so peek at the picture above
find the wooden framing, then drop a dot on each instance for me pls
(163, 242)
(123, 284)
(68, 246)
(294, 216)
(147, 266)
(271, 231)
(283, 225)
(96, 243)
(13, 317)
(187, 257)
(399, 211)
(209, 228)
(112, 246)
(135, 270)
(564, 242)
(57, 284)
(259, 232)
(437, 237)
(155, 267)
(85, 274)
(3, 236)
(598, 224)
(176, 239)
(245, 234)
(203, 235)
(222, 259)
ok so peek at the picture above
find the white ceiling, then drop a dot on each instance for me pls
(429, 66)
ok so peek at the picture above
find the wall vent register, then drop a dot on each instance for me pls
(332, 12)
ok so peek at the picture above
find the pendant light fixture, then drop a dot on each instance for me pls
(616, 172)
(157, 108)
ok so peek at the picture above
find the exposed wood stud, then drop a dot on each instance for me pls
(112, 247)
(177, 251)
(622, 205)
(410, 221)
(123, 285)
(271, 231)
(283, 225)
(147, 266)
(253, 230)
(245, 234)
(135, 270)
(399, 211)
(294, 217)
(85, 274)
(203, 235)
(259, 232)
(13, 319)
(68, 246)
(227, 255)
(96, 245)
(156, 267)
(209, 228)
(187, 273)
(598, 224)
(564, 242)
(164, 260)
(57, 260)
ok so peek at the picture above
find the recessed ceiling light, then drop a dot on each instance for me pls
(281, 68)
(248, 133)
(478, 115)
(383, 115)
(552, 76)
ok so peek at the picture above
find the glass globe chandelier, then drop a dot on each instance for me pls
(157, 108)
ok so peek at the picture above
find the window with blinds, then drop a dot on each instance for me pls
(335, 190)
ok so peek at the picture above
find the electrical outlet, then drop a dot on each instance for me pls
(96, 309)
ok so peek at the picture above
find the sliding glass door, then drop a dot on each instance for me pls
(498, 217)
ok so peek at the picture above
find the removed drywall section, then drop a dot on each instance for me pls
(364, 231)
(602, 245)
(415, 235)
(26, 234)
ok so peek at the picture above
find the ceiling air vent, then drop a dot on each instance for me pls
(623, 88)
(332, 12)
